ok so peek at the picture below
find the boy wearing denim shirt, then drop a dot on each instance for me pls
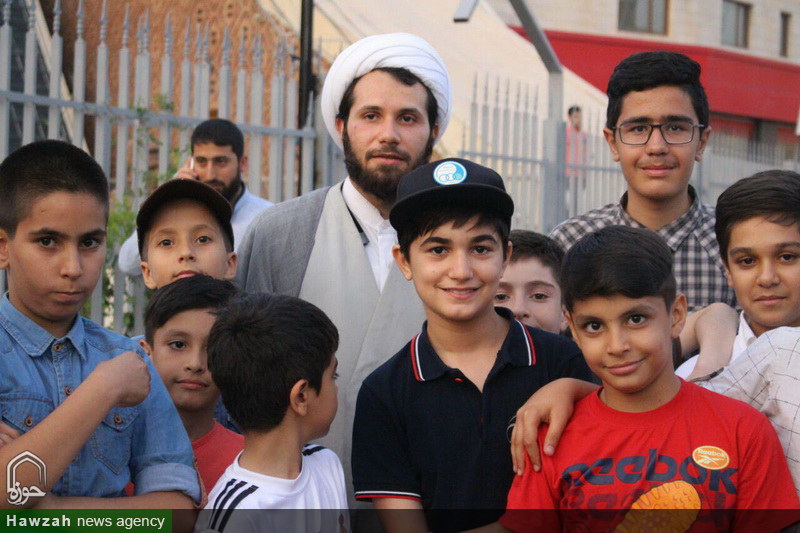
(86, 402)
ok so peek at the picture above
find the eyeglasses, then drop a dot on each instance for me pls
(638, 133)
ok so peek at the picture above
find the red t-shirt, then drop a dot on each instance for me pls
(214, 452)
(701, 450)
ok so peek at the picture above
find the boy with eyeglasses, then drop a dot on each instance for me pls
(657, 127)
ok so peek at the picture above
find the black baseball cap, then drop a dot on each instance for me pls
(450, 182)
(180, 189)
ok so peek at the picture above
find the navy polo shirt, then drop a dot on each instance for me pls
(424, 432)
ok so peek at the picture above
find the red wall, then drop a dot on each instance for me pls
(736, 84)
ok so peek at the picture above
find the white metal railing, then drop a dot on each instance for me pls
(127, 131)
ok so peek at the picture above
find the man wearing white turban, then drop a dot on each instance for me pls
(385, 101)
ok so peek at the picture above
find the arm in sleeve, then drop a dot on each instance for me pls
(128, 258)
(748, 378)
(381, 464)
(534, 497)
(766, 496)
(161, 454)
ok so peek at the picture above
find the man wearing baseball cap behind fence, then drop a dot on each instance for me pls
(385, 101)
(431, 423)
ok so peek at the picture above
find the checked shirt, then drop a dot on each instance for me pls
(698, 266)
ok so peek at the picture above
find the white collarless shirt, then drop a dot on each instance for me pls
(744, 338)
(380, 234)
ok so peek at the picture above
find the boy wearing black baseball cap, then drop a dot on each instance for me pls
(431, 424)
(184, 228)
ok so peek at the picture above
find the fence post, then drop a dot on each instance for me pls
(224, 92)
(54, 112)
(166, 99)
(79, 78)
(186, 92)
(241, 84)
(5, 80)
(256, 118)
(102, 134)
(29, 109)
(123, 81)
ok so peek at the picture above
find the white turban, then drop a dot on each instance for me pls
(399, 50)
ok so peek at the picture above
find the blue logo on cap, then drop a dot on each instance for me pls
(449, 173)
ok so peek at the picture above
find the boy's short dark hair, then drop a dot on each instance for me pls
(573, 109)
(531, 245)
(185, 294)
(259, 347)
(772, 194)
(41, 168)
(220, 132)
(648, 70)
(404, 76)
(618, 260)
(430, 218)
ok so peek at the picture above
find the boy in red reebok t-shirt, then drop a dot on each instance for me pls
(647, 439)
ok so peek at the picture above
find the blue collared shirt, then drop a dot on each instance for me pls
(145, 444)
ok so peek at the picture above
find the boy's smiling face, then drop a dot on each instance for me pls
(179, 354)
(763, 267)
(529, 289)
(185, 239)
(657, 172)
(627, 342)
(55, 258)
(455, 271)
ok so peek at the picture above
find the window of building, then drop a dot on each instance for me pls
(786, 19)
(735, 23)
(643, 15)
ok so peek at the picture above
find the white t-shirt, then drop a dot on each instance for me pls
(314, 502)
(744, 338)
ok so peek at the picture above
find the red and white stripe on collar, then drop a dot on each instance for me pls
(528, 343)
(415, 358)
(416, 365)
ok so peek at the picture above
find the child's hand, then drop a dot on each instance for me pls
(7, 434)
(126, 375)
(552, 404)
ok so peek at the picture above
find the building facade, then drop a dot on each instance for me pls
(749, 51)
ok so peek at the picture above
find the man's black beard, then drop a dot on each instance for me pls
(231, 192)
(381, 183)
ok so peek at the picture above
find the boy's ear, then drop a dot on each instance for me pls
(612, 142)
(231, 266)
(678, 314)
(149, 282)
(728, 274)
(564, 322)
(402, 262)
(698, 155)
(4, 241)
(146, 347)
(299, 397)
(572, 328)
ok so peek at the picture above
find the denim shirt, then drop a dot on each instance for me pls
(145, 444)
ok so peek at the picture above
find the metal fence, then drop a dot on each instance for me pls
(505, 132)
(139, 141)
